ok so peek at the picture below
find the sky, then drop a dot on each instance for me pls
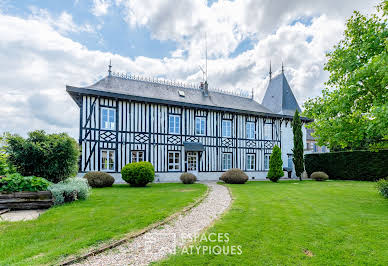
(48, 44)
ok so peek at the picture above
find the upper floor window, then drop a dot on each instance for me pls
(226, 128)
(267, 131)
(250, 127)
(107, 160)
(174, 124)
(200, 125)
(108, 118)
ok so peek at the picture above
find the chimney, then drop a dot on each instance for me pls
(204, 88)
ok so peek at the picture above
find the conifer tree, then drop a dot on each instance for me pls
(298, 145)
(275, 165)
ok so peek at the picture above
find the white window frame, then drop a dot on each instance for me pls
(228, 160)
(266, 155)
(201, 122)
(137, 155)
(268, 131)
(249, 163)
(226, 130)
(250, 130)
(175, 128)
(173, 164)
(290, 163)
(113, 156)
(111, 124)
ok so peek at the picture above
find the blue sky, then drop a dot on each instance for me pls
(47, 44)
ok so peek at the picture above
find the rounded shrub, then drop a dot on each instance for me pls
(188, 178)
(382, 186)
(319, 176)
(234, 176)
(99, 179)
(138, 174)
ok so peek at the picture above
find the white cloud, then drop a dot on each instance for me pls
(100, 7)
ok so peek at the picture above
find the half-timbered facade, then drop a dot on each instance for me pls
(177, 128)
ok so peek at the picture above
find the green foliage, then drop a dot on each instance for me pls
(275, 165)
(99, 179)
(138, 174)
(298, 145)
(319, 176)
(3, 164)
(349, 165)
(52, 156)
(354, 114)
(188, 178)
(16, 182)
(71, 189)
(382, 186)
(234, 176)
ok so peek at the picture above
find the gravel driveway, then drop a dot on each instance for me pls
(158, 243)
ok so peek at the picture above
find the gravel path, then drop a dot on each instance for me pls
(158, 243)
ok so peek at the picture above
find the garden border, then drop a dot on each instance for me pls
(133, 235)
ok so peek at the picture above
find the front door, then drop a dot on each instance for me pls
(192, 162)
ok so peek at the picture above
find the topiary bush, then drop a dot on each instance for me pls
(99, 179)
(234, 176)
(188, 178)
(71, 189)
(138, 174)
(16, 182)
(319, 176)
(275, 165)
(51, 156)
(382, 186)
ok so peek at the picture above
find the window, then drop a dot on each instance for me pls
(107, 160)
(226, 128)
(250, 162)
(200, 125)
(250, 130)
(323, 148)
(315, 147)
(226, 161)
(174, 158)
(267, 131)
(290, 163)
(174, 124)
(137, 156)
(266, 161)
(108, 118)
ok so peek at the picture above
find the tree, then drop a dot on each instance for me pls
(51, 156)
(298, 145)
(352, 112)
(275, 165)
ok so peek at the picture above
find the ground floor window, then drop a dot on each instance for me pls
(290, 163)
(174, 160)
(226, 161)
(137, 156)
(266, 161)
(107, 160)
(250, 162)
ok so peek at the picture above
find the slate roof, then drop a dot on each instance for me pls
(279, 97)
(149, 91)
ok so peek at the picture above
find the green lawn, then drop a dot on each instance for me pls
(108, 213)
(339, 222)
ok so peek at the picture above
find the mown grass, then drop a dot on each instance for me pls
(109, 213)
(300, 223)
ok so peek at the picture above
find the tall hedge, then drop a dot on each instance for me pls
(275, 165)
(349, 165)
(51, 156)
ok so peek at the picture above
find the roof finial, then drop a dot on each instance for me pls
(110, 68)
(270, 71)
(282, 67)
(253, 95)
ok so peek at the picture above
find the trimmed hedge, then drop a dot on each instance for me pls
(138, 174)
(382, 186)
(188, 178)
(349, 165)
(319, 176)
